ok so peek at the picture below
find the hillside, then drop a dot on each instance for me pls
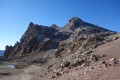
(39, 38)
(71, 52)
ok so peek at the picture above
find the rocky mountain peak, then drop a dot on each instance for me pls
(58, 50)
(54, 26)
(31, 24)
(74, 19)
(75, 22)
(32, 27)
(39, 38)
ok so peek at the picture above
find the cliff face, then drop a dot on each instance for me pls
(68, 39)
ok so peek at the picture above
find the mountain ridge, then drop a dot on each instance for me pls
(54, 52)
(41, 38)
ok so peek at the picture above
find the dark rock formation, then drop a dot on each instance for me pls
(8, 51)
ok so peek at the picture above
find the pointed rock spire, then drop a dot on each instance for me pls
(75, 19)
(31, 24)
(54, 26)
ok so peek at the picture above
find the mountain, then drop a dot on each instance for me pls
(77, 51)
(39, 38)
(1, 52)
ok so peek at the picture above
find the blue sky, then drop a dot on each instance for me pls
(15, 15)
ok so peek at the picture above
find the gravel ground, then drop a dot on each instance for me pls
(93, 72)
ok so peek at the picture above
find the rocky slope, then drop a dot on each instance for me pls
(106, 68)
(59, 50)
(39, 38)
(69, 46)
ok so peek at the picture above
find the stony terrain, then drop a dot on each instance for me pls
(77, 51)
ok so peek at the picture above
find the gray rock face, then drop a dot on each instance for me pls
(36, 38)
(74, 36)
(75, 22)
(8, 51)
